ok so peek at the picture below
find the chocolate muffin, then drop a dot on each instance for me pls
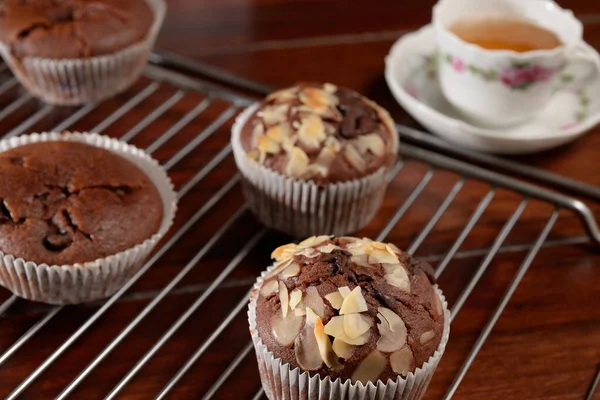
(69, 202)
(311, 146)
(72, 28)
(70, 52)
(348, 308)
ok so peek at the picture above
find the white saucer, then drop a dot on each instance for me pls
(412, 77)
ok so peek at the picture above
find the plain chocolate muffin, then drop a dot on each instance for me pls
(320, 132)
(68, 202)
(349, 308)
(60, 29)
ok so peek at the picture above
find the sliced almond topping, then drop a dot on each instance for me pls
(344, 291)
(313, 241)
(382, 257)
(266, 145)
(284, 251)
(427, 336)
(378, 245)
(330, 88)
(274, 114)
(328, 248)
(362, 260)
(396, 275)
(357, 248)
(258, 130)
(354, 158)
(402, 361)
(342, 349)
(253, 155)
(313, 300)
(269, 287)
(285, 329)
(311, 132)
(330, 131)
(327, 354)
(335, 328)
(335, 299)
(284, 299)
(295, 298)
(309, 252)
(311, 316)
(392, 331)
(317, 98)
(299, 312)
(392, 248)
(370, 368)
(437, 304)
(292, 270)
(289, 143)
(306, 349)
(333, 144)
(279, 266)
(356, 325)
(371, 142)
(325, 157)
(278, 133)
(283, 95)
(354, 302)
(297, 163)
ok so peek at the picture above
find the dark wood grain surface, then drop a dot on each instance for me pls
(546, 345)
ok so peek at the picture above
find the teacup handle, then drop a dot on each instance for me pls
(583, 66)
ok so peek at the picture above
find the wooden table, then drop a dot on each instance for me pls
(546, 345)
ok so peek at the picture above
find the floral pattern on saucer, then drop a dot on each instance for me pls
(519, 76)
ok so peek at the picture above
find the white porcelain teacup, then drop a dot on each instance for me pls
(505, 87)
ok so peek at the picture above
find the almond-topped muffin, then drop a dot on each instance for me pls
(307, 147)
(348, 308)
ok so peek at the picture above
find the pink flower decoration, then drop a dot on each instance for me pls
(526, 75)
(457, 64)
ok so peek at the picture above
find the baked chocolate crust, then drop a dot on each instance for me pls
(67, 202)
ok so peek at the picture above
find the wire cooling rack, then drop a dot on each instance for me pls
(178, 328)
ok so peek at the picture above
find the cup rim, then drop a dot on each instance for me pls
(498, 53)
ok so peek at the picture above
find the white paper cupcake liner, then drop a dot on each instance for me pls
(77, 81)
(282, 381)
(303, 208)
(89, 281)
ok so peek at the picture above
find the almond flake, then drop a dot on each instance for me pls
(342, 349)
(295, 298)
(258, 130)
(266, 145)
(282, 95)
(285, 329)
(325, 349)
(284, 299)
(354, 158)
(325, 158)
(313, 299)
(371, 142)
(289, 143)
(344, 291)
(292, 270)
(330, 131)
(317, 98)
(382, 257)
(313, 241)
(427, 336)
(396, 275)
(335, 328)
(361, 260)
(297, 163)
(335, 299)
(356, 325)
(253, 155)
(311, 316)
(330, 88)
(299, 312)
(439, 310)
(274, 114)
(278, 133)
(308, 252)
(401, 361)
(370, 368)
(333, 144)
(327, 113)
(269, 288)
(328, 248)
(284, 251)
(392, 330)
(306, 349)
(354, 302)
(311, 132)
(279, 266)
(392, 248)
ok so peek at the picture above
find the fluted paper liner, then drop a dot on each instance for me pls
(303, 208)
(282, 381)
(82, 80)
(89, 281)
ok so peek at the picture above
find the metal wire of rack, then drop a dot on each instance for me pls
(159, 77)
